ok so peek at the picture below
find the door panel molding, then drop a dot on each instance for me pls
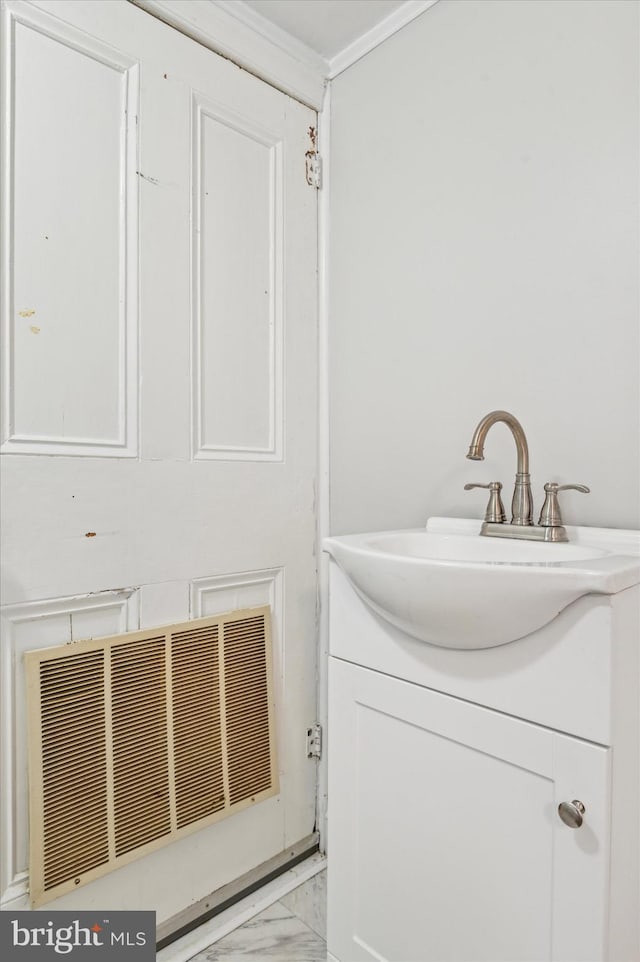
(25, 627)
(238, 329)
(86, 354)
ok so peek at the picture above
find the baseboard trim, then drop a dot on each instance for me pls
(229, 895)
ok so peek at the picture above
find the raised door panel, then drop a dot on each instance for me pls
(238, 312)
(69, 241)
(25, 627)
(445, 838)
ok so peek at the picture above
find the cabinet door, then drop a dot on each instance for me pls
(445, 839)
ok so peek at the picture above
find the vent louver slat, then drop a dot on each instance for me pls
(73, 719)
(247, 700)
(197, 724)
(139, 739)
(140, 765)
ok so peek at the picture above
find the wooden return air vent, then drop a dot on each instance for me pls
(142, 738)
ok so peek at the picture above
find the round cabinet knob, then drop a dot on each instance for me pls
(571, 813)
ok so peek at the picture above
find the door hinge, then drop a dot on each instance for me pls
(314, 741)
(313, 161)
(313, 169)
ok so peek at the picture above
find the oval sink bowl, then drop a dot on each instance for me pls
(447, 547)
(448, 586)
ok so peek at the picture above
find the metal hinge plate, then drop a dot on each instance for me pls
(313, 161)
(313, 169)
(314, 741)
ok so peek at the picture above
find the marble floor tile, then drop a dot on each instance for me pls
(275, 935)
(309, 903)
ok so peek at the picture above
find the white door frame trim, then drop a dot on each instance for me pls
(249, 40)
(324, 486)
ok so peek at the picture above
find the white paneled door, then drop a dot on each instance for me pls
(159, 388)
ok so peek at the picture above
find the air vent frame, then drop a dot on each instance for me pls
(139, 739)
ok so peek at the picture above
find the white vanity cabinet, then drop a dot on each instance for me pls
(445, 839)
(446, 770)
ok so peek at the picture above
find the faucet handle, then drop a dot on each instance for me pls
(550, 515)
(495, 508)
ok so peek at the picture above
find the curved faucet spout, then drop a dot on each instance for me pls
(521, 506)
(476, 448)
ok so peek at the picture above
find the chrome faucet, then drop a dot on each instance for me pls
(522, 504)
(549, 527)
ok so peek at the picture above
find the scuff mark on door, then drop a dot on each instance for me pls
(152, 180)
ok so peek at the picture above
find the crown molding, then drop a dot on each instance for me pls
(276, 35)
(377, 35)
(235, 31)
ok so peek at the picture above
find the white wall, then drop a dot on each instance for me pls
(484, 224)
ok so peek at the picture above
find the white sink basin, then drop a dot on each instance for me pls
(450, 547)
(450, 587)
